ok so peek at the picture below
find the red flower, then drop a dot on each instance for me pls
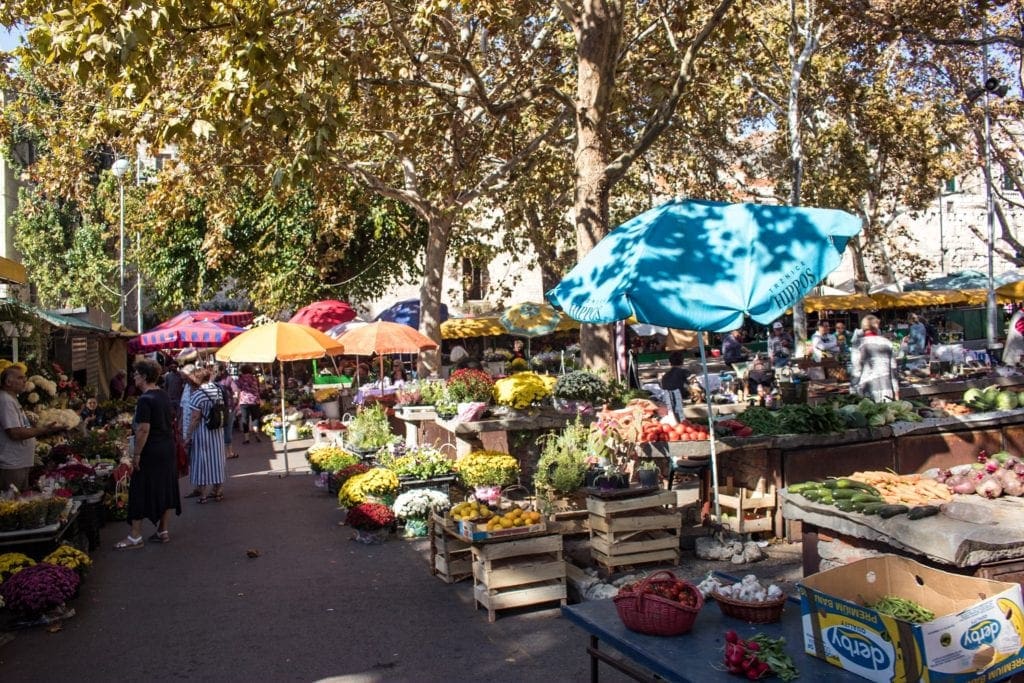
(370, 517)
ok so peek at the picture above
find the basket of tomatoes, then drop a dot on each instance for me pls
(661, 604)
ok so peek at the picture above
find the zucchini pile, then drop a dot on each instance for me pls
(850, 495)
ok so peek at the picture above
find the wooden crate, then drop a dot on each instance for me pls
(749, 510)
(450, 559)
(517, 573)
(634, 531)
(569, 523)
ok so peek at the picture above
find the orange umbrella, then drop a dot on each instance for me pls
(281, 342)
(383, 337)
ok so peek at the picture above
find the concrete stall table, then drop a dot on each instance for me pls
(468, 434)
(412, 416)
(989, 549)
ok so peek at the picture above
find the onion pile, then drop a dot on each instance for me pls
(1000, 474)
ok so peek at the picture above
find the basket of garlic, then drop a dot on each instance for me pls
(747, 600)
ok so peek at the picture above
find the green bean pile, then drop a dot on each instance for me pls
(903, 609)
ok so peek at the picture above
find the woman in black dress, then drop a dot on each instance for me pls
(153, 491)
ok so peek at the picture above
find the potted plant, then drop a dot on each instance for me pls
(12, 563)
(369, 430)
(371, 522)
(523, 389)
(39, 588)
(414, 508)
(70, 557)
(469, 385)
(562, 466)
(375, 485)
(487, 472)
(647, 473)
(579, 390)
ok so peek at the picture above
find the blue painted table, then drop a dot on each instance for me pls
(696, 656)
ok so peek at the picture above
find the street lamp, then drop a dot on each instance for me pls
(119, 168)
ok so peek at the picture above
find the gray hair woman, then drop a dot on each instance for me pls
(874, 364)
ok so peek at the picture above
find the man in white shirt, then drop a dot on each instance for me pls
(823, 343)
(17, 435)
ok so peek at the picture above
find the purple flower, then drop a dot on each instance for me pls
(34, 590)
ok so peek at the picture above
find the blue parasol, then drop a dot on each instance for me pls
(407, 312)
(699, 265)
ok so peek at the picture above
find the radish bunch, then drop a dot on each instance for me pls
(1000, 474)
(758, 657)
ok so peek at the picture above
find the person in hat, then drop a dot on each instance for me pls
(780, 346)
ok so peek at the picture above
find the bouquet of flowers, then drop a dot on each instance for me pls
(12, 563)
(522, 389)
(370, 517)
(325, 395)
(376, 482)
(488, 468)
(35, 589)
(468, 384)
(70, 557)
(419, 503)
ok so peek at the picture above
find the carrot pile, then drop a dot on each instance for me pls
(904, 489)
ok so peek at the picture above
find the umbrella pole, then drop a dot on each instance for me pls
(284, 423)
(711, 426)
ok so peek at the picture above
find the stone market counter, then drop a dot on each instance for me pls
(951, 544)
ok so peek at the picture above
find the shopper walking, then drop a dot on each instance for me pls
(153, 490)
(204, 440)
(874, 364)
(249, 402)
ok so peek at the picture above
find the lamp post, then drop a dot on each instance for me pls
(119, 168)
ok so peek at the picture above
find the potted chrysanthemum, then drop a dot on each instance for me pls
(414, 508)
(371, 522)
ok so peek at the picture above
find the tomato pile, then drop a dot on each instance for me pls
(684, 431)
(677, 591)
(758, 657)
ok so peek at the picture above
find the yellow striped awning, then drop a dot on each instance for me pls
(1011, 291)
(12, 272)
(839, 302)
(466, 328)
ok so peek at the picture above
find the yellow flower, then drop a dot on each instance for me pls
(522, 389)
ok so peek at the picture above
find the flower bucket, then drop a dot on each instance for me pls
(331, 409)
(293, 432)
(647, 478)
(488, 494)
(279, 434)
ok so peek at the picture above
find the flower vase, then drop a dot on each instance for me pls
(278, 434)
(415, 528)
(488, 494)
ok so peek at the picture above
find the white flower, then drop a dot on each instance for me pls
(30, 386)
(33, 397)
(418, 503)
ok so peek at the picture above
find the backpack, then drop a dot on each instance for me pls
(214, 417)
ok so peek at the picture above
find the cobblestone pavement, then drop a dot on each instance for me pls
(313, 605)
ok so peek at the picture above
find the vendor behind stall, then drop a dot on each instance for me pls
(676, 377)
(733, 350)
(823, 342)
(780, 346)
(760, 378)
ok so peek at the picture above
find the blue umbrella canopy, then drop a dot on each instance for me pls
(407, 312)
(696, 265)
(700, 265)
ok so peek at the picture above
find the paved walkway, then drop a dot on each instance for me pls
(314, 605)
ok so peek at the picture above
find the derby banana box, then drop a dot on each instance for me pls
(977, 634)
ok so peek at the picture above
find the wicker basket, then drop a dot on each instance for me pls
(654, 615)
(767, 612)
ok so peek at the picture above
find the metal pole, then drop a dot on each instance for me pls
(942, 236)
(120, 290)
(991, 317)
(138, 282)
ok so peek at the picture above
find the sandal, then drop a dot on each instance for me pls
(202, 500)
(129, 543)
(231, 456)
(196, 493)
(160, 537)
(217, 495)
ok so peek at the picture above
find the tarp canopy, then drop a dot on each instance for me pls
(467, 328)
(840, 302)
(964, 279)
(12, 272)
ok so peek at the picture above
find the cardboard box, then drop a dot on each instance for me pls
(477, 531)
(977, 634)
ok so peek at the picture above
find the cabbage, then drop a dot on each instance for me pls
(853, 417)
(877, 420)
(972, 395)
(1006, 400)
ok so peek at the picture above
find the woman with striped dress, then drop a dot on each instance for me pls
(206, 446)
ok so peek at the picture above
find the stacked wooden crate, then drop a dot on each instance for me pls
(634, 530)
(517, 573)
(449, 554)
(747, 510)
